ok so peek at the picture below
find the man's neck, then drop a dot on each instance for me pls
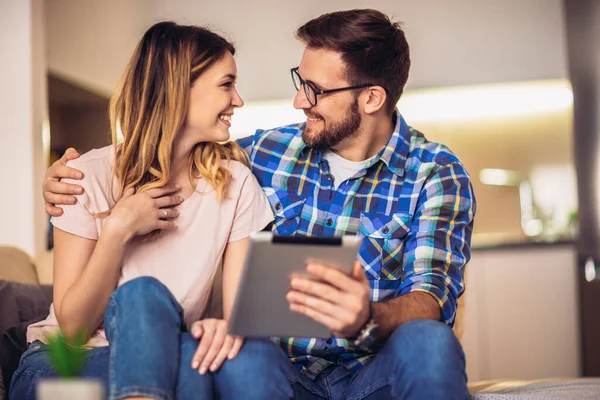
(371, 137)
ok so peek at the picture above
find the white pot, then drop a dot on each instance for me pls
(69, 389)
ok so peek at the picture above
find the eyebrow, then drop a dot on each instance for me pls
(312, 83)
(229, 76)
(315, 84)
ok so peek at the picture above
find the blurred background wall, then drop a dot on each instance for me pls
(459, 44)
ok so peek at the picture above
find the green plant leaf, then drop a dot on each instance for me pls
(66, 356)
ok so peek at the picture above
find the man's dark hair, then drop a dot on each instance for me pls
(373, 48)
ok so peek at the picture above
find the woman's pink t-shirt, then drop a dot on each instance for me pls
(184, 260)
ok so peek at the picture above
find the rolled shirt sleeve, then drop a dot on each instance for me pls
(437, 247)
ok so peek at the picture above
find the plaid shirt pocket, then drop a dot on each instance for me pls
(383, 243)
(287, 207)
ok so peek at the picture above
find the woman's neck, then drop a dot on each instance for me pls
(180, 172)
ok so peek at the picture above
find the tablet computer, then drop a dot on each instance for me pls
(260, 308)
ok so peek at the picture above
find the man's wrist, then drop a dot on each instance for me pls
(368, 333)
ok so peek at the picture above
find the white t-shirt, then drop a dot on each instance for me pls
(342, 169)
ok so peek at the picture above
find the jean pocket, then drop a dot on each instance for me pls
(384, 236)
(287, 207)
(33, 348)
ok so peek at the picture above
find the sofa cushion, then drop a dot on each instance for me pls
(16, 266)
(22, 302)
(43, 267)
(542, 389)
(20, 306)
(2, 391)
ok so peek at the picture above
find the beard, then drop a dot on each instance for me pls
(336, 131)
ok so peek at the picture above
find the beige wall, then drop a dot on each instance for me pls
(22, 115)
(452, 42)
(90, 42)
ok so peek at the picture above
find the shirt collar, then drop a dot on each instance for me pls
(395, 152)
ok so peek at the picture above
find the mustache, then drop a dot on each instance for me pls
(313, 116)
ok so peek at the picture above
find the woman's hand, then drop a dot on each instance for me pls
(141, 213)
(215, 345)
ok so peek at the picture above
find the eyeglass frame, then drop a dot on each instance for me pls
(295, 72)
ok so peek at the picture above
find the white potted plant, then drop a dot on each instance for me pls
(67, 358)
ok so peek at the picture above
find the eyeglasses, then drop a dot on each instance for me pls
(312, 93)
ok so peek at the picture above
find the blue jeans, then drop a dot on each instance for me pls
(150, 354)
(421, 360)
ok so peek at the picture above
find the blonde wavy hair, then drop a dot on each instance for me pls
(149, 108)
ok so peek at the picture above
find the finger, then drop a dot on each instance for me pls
(319, 289)
(237, 346)
(63, 188)
(222, 354)
(57, 199)
(205, 342)
(332, 275)
(197, 329)
(166, 213)
(53, 211)
(215, 346)
(162, 191)
(315, 315)
(358, 272)
(70, 154)
(58, 187)
(62, 171)
(128, 192)
(168, 201)
(334, 310)
(165, 225)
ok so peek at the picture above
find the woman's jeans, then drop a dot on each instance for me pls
(150, 354)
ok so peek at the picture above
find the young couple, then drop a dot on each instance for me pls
(145, 223)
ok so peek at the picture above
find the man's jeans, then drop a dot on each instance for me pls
(150, 355)
(421, 360)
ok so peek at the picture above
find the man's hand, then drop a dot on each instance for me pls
(215, 345)
(338, 301)
(56, 192)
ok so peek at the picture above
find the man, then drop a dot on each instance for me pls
(356, 167)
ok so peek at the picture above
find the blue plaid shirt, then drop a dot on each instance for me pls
(413, 204)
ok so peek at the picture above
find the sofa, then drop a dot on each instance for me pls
(25, 296)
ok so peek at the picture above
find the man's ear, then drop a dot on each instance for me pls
(375, 99)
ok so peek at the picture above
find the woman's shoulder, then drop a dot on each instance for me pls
(243, 180)
(238, 169)
(94, 160)
(96, 166)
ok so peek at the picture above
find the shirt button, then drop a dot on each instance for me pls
(385, 230)
(278, 206)
(329, 222)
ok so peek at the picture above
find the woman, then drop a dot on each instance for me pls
(159, 212)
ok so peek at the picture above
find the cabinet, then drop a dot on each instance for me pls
(521, 314)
